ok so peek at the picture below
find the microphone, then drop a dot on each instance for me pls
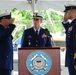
(47, 32)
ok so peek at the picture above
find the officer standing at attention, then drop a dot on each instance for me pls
(6, 48)
(70, 27)
(36, 36)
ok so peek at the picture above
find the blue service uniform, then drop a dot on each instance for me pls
(70, 46)
(30, 39)
(6, 49)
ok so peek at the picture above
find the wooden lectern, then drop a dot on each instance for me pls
(54, 54)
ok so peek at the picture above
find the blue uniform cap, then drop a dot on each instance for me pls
(69, 7)
(37, 16)
(6, 15)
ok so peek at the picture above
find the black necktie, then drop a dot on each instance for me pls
(36, 32)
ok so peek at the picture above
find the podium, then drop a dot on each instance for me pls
(39, 61)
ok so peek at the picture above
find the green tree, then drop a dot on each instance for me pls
(25, 17)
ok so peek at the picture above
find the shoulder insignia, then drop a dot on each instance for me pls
(44, 35)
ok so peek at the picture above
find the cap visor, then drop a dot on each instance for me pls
(36, 18)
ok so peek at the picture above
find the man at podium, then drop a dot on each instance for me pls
(36, 36)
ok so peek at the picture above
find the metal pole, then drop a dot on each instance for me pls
(33, 6)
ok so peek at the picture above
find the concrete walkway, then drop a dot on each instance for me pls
(64, 70)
